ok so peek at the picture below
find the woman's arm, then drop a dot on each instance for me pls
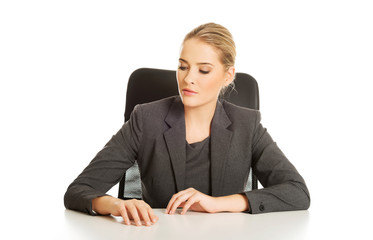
(233, 203)
(107, 167)
(284, 188)
(197, 201)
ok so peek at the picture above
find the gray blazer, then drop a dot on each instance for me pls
(155, 137)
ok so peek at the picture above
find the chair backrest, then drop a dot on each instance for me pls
(147, 85)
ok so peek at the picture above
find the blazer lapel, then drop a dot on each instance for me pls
(220, 144)
(175, 140)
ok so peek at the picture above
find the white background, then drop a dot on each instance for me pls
(64, 66)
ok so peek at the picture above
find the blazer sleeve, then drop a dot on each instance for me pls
(107, 167)
(284, 188)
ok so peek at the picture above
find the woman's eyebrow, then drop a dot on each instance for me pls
(201, 63)
(205, 63)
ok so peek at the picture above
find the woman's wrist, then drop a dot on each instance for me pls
(232, 203)
(102, 204)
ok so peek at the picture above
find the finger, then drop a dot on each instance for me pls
(124, 215)
(174, 197)
(144, 214)
(179, 201)
(153, 217)
(135, 216)
(188, 204)
(182, 204)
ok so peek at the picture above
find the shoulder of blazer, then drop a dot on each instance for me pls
(161, 102)
(159, 106)
(155, 112)
(236, 112)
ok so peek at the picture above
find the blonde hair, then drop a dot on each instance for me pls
(219, 37)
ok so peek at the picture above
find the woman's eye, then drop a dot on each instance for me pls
(204, 72)
(182, 68)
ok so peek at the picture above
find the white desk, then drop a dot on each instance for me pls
(192, 225)
(317, 223)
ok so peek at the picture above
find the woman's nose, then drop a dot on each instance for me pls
(189, 78)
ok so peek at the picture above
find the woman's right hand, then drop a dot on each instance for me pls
(136, 210)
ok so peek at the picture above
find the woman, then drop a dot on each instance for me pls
(193, 150)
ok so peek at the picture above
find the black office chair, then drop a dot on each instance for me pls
(147, 85)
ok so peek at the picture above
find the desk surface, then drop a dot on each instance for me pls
(313, 224)
(192, 225)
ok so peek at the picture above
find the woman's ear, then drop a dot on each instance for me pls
(229, 76)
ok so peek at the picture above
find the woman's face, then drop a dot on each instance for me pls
(201, 75)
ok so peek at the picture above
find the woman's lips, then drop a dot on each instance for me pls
(188, 92)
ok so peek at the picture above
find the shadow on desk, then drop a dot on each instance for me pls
(282, 225)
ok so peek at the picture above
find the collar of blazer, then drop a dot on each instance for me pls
(220, 143)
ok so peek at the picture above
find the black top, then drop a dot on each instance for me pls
(197, 172)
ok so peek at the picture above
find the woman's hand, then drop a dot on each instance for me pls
(136, 210)
(192, 199)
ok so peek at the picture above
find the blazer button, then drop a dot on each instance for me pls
(261, 207)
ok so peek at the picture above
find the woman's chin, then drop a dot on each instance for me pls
(190, 104)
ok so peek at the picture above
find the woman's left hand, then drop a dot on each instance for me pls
(192, 199)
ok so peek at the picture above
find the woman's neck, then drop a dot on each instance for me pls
(198, 121)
